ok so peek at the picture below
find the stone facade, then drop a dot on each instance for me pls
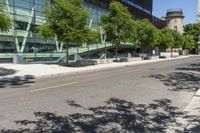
(174, 19)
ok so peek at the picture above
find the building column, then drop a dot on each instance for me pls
(11, 14)
(28, 29)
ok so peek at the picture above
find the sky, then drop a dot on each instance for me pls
(189, 8)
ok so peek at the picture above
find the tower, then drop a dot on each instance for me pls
(174, 19)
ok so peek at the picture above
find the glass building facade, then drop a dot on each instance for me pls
(27, 14)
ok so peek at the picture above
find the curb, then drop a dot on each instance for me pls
(191, 112)
(197, 94)
(135, 63)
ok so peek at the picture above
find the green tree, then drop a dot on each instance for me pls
(163, 40)
(178, 39)
(166, 39)
(188, 42)
(193, 29)
(66, 20)
(5, 21)
(93, 36)
(117, 24)
(147, 35)
(170, 39)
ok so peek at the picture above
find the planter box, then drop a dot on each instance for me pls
(86, 62)
(104, 61)
(168, 54)
(154, 57)
(135, 59)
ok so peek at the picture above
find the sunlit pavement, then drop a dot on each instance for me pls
(153, 97)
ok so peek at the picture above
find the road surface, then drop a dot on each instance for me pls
(140, 98)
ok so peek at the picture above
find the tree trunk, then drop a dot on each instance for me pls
(150, 51)
(171, 52)
(142, 53)
(67, 56)
(106, 49)
(57, 43)
(61, 47)
(116, 52)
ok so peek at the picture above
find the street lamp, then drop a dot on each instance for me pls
(103, 37)
(34, 51)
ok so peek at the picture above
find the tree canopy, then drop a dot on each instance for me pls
(192, 29)
(178, 39)
(147, 35)
(117, 24)
(67, 20)
(166, 38)
(5, 21)
(188, 42)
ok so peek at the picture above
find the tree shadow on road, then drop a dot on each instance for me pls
(195, 67)
(193, 125)
(17, 81)
(116, 115)
(185, 78)
(180, 81)
(5, 71)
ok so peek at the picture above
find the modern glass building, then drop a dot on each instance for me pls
(27, 14)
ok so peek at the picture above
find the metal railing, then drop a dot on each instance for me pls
(37, 57)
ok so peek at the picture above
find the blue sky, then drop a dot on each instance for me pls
(189, 8)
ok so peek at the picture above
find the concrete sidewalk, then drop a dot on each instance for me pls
(190, 122)
(193, 113)
(46, 70)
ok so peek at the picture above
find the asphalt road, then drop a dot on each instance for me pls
(141, 98)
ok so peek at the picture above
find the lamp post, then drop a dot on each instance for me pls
(34, 51)
(103, 35)
(103, 38)
(115, 33)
